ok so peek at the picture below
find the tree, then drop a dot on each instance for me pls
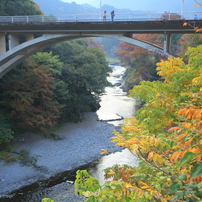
(165, 135)
(189, 40)
(85, 75)
(94, 43)
(6, 133)
(43, 90)
(141, 62)
(19, 7)
(27, 94)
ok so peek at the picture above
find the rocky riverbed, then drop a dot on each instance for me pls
(51, 164)
(81, 144)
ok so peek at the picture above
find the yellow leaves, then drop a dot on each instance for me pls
(111, 172)
(144, 185)
(134, 147)
(197, 80)
(151, 154)
(104, 151)
(167, 68)
(88, 193)
(127, 129)
(128, 185)
(155, 157)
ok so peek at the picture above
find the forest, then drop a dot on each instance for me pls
(54, 86)
(59, 83)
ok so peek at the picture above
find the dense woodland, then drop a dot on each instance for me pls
(55, 85)
(59, 83)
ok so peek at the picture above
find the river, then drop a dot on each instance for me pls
(115, 106)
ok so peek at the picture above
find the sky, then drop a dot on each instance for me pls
(162, 5)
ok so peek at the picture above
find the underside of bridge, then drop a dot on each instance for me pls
(19, 52)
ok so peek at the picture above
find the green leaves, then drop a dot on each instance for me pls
(186, 158)
(6, 134)
(47, 200)
(84, 182)
(165, 135)
(196, 170)
(20, 7)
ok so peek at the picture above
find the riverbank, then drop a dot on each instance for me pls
(81, 144)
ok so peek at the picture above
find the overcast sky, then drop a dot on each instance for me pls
(176, 5)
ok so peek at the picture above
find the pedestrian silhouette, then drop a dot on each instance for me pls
(112, 15)
(195, 17)
(104, 15)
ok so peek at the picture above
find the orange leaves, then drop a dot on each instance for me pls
(186, 125)
(196, 4)
(185, 24)
(174, 128)
(176, 155)
(198, 29)
(188, 142)
(181, 137)
(191, 113)
(196, 179)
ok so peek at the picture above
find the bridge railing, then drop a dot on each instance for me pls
(143, 16)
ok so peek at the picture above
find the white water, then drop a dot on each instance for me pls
(114, 105)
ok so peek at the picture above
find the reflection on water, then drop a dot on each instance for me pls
(115, 105)
(125, 157)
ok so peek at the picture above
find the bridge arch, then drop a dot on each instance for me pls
(19, 53)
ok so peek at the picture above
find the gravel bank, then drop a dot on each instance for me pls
(81, 144)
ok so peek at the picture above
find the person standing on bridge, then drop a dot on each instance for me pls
(195, 17)
(104, 15)
(112, 15)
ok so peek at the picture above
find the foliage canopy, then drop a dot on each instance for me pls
(166, 137)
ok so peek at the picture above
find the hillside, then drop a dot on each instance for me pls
(59, 7)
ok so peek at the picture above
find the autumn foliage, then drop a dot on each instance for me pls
(140, 62)
(166, 136)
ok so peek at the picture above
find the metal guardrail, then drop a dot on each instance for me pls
(98, 17)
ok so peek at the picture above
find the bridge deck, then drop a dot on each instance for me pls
(158, 26)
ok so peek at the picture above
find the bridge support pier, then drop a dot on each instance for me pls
(29, 37)
(13, 40)
(2, 44)
(166, 44)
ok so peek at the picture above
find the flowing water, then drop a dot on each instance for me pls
(115, 106)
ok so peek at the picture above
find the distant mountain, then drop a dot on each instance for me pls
(57, 7)
(156, 5)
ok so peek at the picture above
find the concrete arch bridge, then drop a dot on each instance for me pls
(56, 32)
